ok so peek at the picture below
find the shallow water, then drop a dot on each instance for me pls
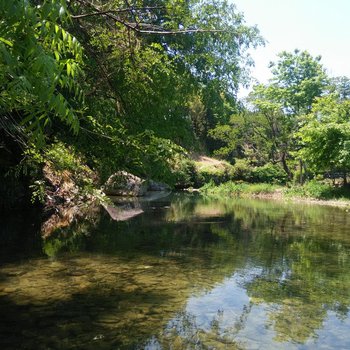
(188, 273)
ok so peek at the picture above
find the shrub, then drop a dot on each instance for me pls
(260, 188)
(270, 173)
(185, 173)
(318, 190)
(238, 189)
(64, 158)
(217, 173)
(241, 170)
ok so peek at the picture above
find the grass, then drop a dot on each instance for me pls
(311, 190)
(318, 190)
(240, 189)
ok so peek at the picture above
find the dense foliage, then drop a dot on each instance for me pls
(137, 86)
(299, 121)
(39, 65)
(127, 85)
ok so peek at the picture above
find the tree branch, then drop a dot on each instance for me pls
(123, 10)
(137, 27)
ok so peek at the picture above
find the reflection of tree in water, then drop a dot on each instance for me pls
(186, 331)
(313, 282)
(304, 260)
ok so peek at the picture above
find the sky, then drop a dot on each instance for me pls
(322, 27)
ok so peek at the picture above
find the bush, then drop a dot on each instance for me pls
(64, 158)
(241, 170)
(238, 189)
(53, 165)
(157, 158)
(270, 173)
(217, 173)
(185, 173)
(318, 190)
(260, 188)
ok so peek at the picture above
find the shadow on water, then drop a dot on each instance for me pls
(93, 319)
(85, 302)
(188, 273)
(19, 234)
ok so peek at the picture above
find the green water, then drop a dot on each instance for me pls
(188, 273)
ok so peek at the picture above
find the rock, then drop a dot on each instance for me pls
(125, 184)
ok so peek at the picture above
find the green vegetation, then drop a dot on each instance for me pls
(239, 189)
(318, 190)
(310, 190)
(99, 87)
(92, 87)
(126, 86)
(294, 129)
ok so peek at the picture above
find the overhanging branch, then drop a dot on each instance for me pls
(123, 10)
(138, 27)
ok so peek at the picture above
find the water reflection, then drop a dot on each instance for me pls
(188, 273)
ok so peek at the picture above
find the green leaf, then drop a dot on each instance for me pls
(69, 68)
(5, 41)
(57, 55)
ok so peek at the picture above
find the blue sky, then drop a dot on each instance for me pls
(321, 27)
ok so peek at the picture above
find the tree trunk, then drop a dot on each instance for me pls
(285, 166)
(301, 180)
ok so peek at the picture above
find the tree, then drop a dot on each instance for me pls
(39, 69)
(123, 74)
(245, 136)
(298, 79)
(279, 126)
(325, 136)
(197, 112)
(152, 58)
(341, 85)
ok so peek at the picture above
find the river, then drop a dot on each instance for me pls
(190, 272)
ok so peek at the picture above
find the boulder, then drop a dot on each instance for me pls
(123, 183)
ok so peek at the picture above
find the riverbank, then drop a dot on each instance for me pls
(312, 192)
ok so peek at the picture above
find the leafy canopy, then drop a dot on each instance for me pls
(298, 78)
(39, 65)
(325, 135)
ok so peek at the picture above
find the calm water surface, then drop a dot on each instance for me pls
(188, 273)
